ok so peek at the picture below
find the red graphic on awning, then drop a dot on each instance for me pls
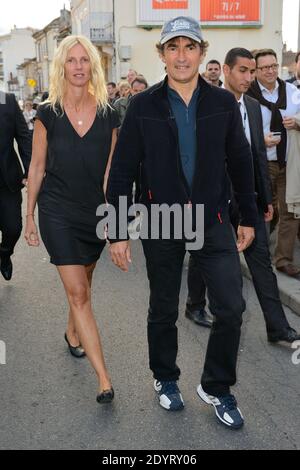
(170, 5)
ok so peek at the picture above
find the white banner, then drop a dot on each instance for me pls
(156, 12)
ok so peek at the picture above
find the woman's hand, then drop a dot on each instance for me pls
(31, 233)
(121, 254)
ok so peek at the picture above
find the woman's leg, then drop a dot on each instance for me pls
(76, 283)
(71, 329)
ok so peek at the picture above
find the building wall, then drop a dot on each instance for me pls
(144, 56)
(46, 44)
(3, 40)
(1, 66)
(17, 47)
(79, 13)
(135, 46)
(94, 19)
(25, 72)
(88, 14)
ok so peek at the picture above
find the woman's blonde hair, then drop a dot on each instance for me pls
(57, 87)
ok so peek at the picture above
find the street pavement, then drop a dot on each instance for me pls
(48, 398)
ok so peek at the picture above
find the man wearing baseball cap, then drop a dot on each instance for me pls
(188, 137)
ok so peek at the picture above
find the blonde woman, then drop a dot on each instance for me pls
(73, 142)
(124, 89)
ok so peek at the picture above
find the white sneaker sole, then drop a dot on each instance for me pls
(204, 397)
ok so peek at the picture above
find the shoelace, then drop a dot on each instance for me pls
(169, 388)
(229, 402)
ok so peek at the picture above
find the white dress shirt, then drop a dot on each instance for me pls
(244, 115)
(293, 108)
(245, 118)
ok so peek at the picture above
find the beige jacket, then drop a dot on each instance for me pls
(293, 171)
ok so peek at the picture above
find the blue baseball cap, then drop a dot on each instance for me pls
(181, 26)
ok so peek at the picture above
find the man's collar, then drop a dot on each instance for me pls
(263, 88)
(241, 100)
(163, 86)
(175, 92)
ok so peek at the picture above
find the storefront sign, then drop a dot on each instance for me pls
(209, 12)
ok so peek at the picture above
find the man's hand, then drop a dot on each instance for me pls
(120, 254)
(270, 214)
(290, 123)
(246, 236)
(271, 140)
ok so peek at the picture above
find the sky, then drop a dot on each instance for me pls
(35, 13)
(290, 23)
(38, 13)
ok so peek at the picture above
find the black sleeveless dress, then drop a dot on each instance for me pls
(73, 186)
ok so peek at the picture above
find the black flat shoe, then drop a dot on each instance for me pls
(106, 396)
(76, 351)
(6, 267)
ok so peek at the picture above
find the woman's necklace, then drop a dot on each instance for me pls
(79, 120)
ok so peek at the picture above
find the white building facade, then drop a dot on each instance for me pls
(95, 20)
(126, 31)
(27, 74)
(15, 48)
(45, 45)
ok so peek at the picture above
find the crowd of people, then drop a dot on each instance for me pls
(189, 140)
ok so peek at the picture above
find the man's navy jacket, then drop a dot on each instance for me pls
(149, 139)
(13, 126)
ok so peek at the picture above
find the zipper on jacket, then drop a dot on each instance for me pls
(197, 166)
(179, 166)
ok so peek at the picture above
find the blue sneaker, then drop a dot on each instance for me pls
(169, 395)
(225, 408)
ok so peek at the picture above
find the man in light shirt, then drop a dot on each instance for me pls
(295, 80)
(280, 102)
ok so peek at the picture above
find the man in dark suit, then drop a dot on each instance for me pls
(295, 80)
(12, 177)
(239, 70)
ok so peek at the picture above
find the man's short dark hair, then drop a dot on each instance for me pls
(203, 46)
(264, 53)
(233, 54)
(297, 57)
(213, 62)
(141, 80)
(113, 84)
